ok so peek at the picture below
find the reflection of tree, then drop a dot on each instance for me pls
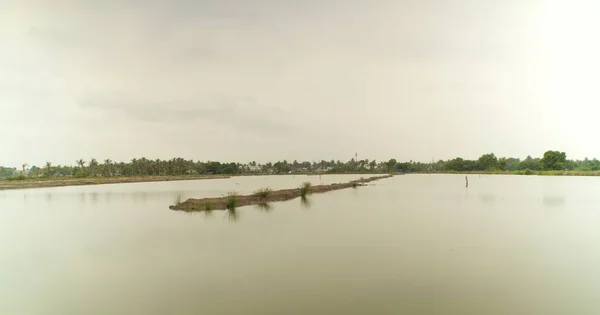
(553, 201)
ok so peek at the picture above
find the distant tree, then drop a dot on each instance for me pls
(372, 165)
(93, 167)
(81, 163)
(553, 160)
(48, 169)
(107, 168)
(487, 162)
(391, 164)
(530, 163)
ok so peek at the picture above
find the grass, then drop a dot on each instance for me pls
(232, 200)
(208, 206)
(16, 177)
(178, 199)
(354, 184)
(304, 189)
(263, 193)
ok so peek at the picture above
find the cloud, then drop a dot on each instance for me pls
(243, 114)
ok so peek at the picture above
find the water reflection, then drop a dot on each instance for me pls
(232, 214)
(553, 201)
(264, 207)
(208, 214)
(488, 198)
(94, 196)
(305, 202)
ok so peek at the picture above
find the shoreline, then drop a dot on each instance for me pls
(520, 172)
(233, 201)
(55, 182)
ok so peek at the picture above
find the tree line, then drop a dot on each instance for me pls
(179, 166)
(551, 160)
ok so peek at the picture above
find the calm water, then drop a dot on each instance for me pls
(414, 244)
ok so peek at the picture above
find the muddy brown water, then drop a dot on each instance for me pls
(412, 244)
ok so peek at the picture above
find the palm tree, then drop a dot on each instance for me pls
(81, 163)
(108, 167)
(24, 167)
(134, 166)
(93, 166)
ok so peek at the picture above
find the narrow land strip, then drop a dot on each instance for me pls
(55, 182)
(232, 200)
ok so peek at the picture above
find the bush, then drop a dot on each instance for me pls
(17, 177)
(263, 193)
(232, 200)
(304, 189)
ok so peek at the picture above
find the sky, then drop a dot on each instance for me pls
(266, 80)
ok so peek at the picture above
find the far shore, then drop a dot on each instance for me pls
(520, 172)
(61, 182)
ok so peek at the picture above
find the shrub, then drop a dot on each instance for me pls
(17, 177)
(304, 189)
(232, 200)
(263, 193)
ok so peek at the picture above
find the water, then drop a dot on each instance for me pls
(413, 244)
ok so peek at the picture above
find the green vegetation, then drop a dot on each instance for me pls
(208, 206)
(264, 206)
(232, 200)
(16, 177)
(305, 188)
(488, 163)
(551, 163)
(178, 199)
(305, 202)
(263, 193)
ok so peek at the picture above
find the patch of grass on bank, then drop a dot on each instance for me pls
(178, 200)
(524, 172)
(16, 177)
(263, 193)
(232, 200)
(305, 188)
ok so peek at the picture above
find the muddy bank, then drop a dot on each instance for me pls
(55, 182)
(225, 202)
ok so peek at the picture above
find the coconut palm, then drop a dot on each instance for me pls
(108, 167)
(93, 166)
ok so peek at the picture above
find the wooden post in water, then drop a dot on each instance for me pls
(467, 181)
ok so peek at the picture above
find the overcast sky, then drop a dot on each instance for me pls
(266, 80)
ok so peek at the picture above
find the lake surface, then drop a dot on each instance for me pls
(413, 244)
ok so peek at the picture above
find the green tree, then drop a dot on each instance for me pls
(391, 165)
(553, 160)
(48, 169)
(93, 167)
(107, 167)
(372, 165)
(487, 162)
(530, 163)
